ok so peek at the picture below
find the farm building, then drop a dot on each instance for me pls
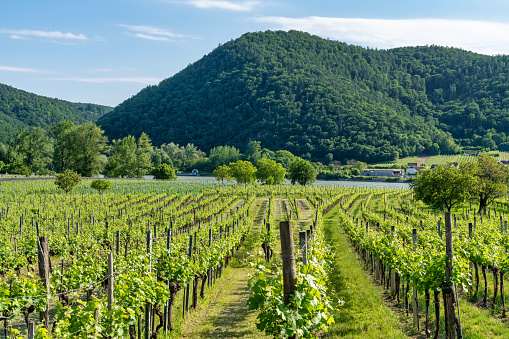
(381, 172)
(413, 170)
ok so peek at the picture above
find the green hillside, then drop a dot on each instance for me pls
(20, 109)
(316, 97)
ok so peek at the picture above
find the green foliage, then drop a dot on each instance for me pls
(18, 168)
(67, 180)
(270, 172)
(223, 155)
(243, 172)
(222, 172)
(164, 172)
(491, 180)
(32, 147)
(79, 148)
(307, 95)
(20, 109)
(130, 159)
(301, 172)
(101, 185)
(443, 186)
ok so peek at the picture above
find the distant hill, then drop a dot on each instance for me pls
(317, 98)
(20, 109)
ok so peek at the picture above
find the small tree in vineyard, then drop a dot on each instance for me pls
(67, 180)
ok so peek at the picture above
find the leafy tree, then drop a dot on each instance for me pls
(284, 157)
(492, 180)
(243, 172)
(79, 148)
(32, 147)
(101, 185)
(130, 159)
(443, 187)
(270, 172)
(223, 155)
(222, 172)
(164, 172)
(254, 151)
(63, 138)
(67, 180)
(302, 172)
(143, 156)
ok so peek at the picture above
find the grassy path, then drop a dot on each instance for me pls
(364, 313)
(227, 315)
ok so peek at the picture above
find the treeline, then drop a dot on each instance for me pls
(86, 150)
(319, 98)
(20, 109)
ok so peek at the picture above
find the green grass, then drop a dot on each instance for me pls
(364, 313)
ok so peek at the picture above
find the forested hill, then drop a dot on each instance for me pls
(20, 109)
(317, 98)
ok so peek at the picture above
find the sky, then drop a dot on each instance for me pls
(105, 51)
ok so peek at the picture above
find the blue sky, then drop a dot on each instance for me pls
(105, 51)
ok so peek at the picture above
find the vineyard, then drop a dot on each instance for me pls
(441, 159)
(138, 260)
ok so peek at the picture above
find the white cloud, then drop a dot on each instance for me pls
(138, 80)
(25, 33)
(241, 6)
(153, 33)
(478, 36)
(23, 69)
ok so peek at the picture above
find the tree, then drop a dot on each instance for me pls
(32, 147)
(270, 172)
(164, 172)
(222, 172)
(302, 172)
(63, 145)
(243, 171)
(254, 151)
(143, 161)
(130, 159)
(67, 180)
(443, 187)
(101, 185)
(80, 148)
(223, 155)
(492, 180)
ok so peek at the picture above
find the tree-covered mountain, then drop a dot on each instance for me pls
(20, 109)
(317, 98)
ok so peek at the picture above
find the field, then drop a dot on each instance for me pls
(181, 255)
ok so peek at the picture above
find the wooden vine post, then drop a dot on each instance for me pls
(415, 306)
(289, 266)
(447, 291)
(44, 271)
